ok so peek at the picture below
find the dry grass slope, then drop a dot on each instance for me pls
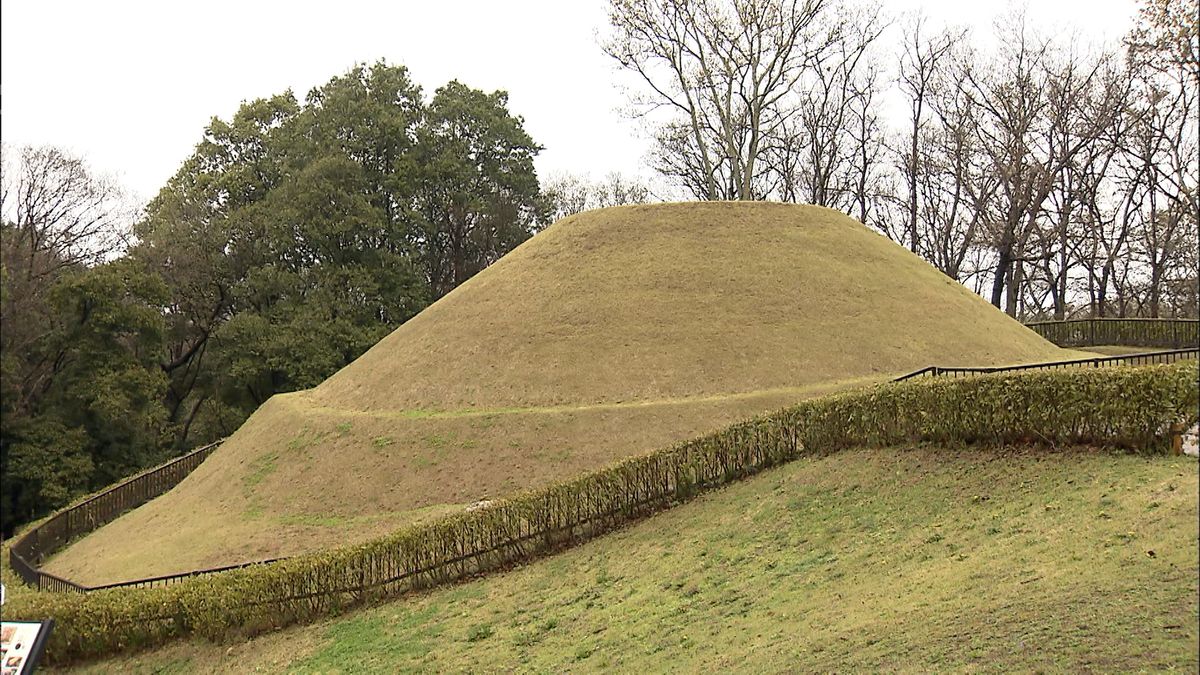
(671, 301)
(612, 333)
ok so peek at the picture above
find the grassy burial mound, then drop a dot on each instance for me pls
(612, 333)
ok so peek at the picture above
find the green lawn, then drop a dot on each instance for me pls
(921, 559)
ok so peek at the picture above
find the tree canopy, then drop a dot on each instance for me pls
(300, 233)
(296, 235)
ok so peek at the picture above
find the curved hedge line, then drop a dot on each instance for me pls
(1128, 407)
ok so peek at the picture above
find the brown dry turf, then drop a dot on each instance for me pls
(612, 333)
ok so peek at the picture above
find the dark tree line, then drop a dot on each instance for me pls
(296, 235)
(1054, 179)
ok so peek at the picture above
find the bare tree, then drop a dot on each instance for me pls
(1165, 148)
(716, 79)
(865, 133)
(958, 185)
(945, 185)
(1033, 128)
(1081, 198)
(1164, 51)
(57, 215)
(922, 65)
(1051, 178)
(567, 194)
(827, 150)
(60, 212)
(1167, 39)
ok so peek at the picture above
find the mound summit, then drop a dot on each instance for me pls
(611, 333)
(669, 301)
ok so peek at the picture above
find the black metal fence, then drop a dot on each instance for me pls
(1139, 359)
(1182, 336)
(34, 546)
(167, 579)
(1162, 333)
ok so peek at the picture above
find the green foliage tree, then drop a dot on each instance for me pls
(299, 234)
(81, 330)
(294, 237)
(108, 381)
(479, 194)
(96, 414)
(196, 237)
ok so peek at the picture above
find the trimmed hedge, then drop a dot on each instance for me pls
(1126, 407)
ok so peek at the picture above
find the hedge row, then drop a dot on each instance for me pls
(1130, 407)
(1165, 333)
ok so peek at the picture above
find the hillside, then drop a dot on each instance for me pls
(674, 301)
(611, 333)
(912, 559)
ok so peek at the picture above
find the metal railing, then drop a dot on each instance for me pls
(34, 546)
(1162, 333)
(1181, 335)
(1139, 359)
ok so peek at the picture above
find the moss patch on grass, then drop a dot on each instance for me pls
(259, 469)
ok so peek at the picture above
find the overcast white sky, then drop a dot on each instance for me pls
(130, 85)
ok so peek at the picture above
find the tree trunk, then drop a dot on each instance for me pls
(1002, 270)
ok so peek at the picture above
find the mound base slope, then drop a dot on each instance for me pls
(900, 559)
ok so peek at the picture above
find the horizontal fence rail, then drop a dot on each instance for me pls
(34, 547)
(1162, 333)
(1140, 359)
(168, 579)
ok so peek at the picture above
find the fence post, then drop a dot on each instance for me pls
(1092, 330)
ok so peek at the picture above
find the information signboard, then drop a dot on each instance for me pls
(21, 645)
